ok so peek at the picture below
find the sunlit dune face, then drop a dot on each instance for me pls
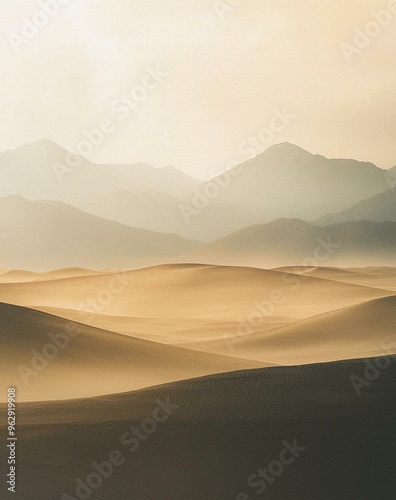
(122, 331)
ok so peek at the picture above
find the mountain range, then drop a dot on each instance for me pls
(44, 170)
(299, 243)
(43, 235)
(287, 181)
(276, 207)
(379, 208)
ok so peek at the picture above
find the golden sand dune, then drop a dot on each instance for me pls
(18, 276)
(192, 291)
(363, 330)
(47, 357)
(376, 277)
(27, 276)
(164, 330)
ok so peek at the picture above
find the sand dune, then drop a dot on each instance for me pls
(377, 277)
(363, 330)
(18, 276)
(246, 313)
(192, 291)
(221, 429)
(164, 330)
(48, 357)
(26, 276)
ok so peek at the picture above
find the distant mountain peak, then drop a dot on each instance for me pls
(43, 144)
(286, 153)
(286, 146)
(287, 222)
(42, 147)
(15, 198)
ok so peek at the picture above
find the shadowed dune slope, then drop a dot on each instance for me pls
(221, 430)
(363, 330)
(164, 330)
(47, 357)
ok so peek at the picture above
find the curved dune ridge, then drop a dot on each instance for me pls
(15, 276)
(48, 357)
(191, 291)
(162, 329)
(155, 325)
(363, 330)
(94, 356)
(377, 277)
(219, 430)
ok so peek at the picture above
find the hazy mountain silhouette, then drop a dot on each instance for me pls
(41, 171)
(155, 211)
(379, 208)
(158, 211)
(287, 181)
(296, 241)
(42, 235)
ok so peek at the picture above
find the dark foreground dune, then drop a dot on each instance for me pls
(218, 432)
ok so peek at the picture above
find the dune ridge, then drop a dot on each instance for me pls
(63, 359)
(225, 427)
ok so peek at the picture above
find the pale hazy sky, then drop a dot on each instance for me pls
(225, 74)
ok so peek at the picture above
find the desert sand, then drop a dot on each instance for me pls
(220, 431)
(127, 330)
(51, 358)
(247, 358)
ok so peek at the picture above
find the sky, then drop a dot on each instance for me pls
(187, 82)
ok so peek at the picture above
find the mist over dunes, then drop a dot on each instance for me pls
(198, 250)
